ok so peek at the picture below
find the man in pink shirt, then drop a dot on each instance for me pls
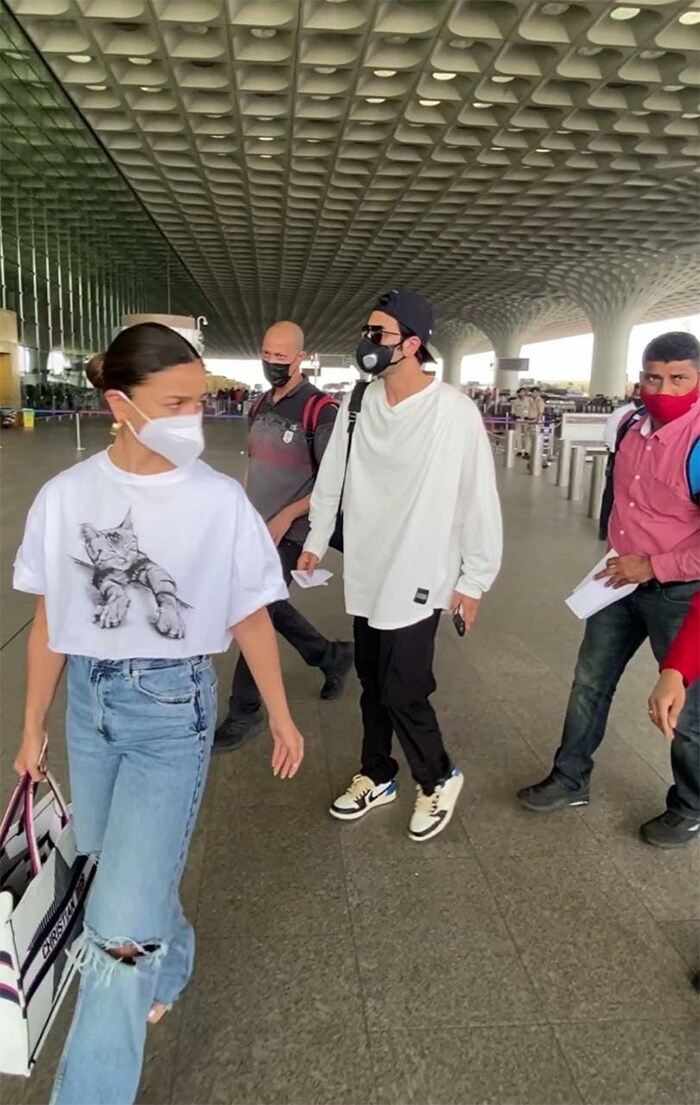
(655, 532)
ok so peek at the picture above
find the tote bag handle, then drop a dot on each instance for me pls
(24, 793)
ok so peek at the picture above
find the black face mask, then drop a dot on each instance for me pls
(277, 375)
(375, 359)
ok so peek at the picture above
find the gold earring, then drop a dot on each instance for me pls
(115, 428)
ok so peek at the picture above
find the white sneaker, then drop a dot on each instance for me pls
(433, 812)
(361, 796)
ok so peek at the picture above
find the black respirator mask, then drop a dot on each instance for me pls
(277, 375)
(374, 358)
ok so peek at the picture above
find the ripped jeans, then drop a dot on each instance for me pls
(139, 738)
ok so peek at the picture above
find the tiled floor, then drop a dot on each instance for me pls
(516, 959)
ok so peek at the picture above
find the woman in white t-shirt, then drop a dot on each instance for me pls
(145, 562)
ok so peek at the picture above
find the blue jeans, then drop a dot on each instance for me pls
(139, 738)
(611, 639)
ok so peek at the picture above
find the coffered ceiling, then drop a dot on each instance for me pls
(510, 159)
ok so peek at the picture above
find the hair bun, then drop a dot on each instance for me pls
(94, 370)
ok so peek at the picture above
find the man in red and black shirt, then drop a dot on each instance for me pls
(289, 429)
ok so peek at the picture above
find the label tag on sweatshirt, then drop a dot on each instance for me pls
(421, 596)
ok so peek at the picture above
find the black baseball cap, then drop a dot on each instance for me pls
(412, 311)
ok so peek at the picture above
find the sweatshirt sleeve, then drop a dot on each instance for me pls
(325, 498)
(684, 654)
(482, 532)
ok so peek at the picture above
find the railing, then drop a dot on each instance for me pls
(48, 414)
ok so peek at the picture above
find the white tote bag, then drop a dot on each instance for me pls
(43, 887)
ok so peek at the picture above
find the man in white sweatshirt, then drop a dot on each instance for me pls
(422, 534)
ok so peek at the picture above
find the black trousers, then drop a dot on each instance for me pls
(312, 646)
(395, 669)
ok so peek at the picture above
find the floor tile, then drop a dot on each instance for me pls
(251, 989)
(272, 876)
(331, 1067)
(685, 937)
(590, 948)
(481, 1066)
(433, 948)
(632, 1063)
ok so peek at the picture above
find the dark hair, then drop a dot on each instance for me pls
(93, 370)
(422, 356)
(674, 346)
(137, 353)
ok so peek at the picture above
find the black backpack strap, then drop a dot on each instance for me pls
(627, 423)
(358, 394)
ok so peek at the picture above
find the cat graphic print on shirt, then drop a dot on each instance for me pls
(131, 567)
(117, 563)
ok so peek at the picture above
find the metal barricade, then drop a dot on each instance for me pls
(564, 464)
(578, 467)
(536, 452)
(595, 496)
(509, 454)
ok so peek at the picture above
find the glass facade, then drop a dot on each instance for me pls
(77, 249)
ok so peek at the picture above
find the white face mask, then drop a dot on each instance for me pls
(179, 438)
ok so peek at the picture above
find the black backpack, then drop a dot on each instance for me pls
(692, 467)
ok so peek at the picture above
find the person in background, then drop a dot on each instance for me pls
(144, 562)
(521, 409)
(283, 460)
(610, 433)
(422, 534)
(537, 405)
(655, 530)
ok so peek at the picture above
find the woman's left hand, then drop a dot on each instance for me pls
(667, 701)
(288, 750)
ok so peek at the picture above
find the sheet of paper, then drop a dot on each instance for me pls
(591, 594)
(319, 578)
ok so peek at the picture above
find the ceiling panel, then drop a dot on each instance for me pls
(510, 159)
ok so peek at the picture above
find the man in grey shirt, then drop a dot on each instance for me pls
(289, 428)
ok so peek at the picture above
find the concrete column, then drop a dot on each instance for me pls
(615, 298)
(452, 341)
(611, 338)
(506, 346)
(451, 366)
(505, 379)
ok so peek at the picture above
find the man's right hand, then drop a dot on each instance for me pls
(307, 563)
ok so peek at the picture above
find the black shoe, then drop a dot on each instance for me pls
(337, 672)
(549, 795)
(695, 981)
(670, 830)
(234, 732)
